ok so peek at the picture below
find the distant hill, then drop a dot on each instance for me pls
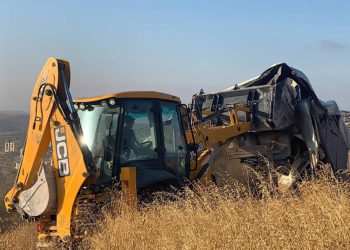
(13, 121)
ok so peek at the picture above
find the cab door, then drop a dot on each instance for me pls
(175, 155)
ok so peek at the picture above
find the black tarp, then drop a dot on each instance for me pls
(274, 97)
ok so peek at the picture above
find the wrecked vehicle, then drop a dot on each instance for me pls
(291, 128)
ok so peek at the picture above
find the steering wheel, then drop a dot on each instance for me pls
(141, 157)
(146, 144)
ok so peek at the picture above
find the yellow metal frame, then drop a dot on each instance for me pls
(209, 136)
(128, 181)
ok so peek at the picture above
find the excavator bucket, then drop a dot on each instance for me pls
(41, 197)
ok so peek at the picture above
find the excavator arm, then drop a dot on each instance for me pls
(51, 189)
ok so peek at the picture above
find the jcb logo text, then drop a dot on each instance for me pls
(62, 151)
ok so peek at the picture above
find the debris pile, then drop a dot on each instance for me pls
(297, 132)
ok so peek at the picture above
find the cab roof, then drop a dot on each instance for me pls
(132, 95)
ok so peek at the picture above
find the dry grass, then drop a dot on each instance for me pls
(20, 236)
(316, 217)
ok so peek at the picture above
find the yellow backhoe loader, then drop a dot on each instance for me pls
(138, 140)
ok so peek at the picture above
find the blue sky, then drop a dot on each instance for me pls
(176, 47)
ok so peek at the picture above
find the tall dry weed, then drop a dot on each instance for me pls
(316, 216)
(18, 236)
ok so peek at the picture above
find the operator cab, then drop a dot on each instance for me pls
(136, 129)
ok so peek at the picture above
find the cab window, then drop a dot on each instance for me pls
(139, 133)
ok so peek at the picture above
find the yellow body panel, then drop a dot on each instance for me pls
(131, 95)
